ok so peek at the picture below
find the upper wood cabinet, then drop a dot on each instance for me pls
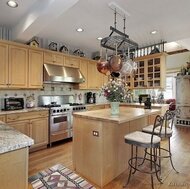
(151, 72)
(3, 65)
(71, 61)
(18, 67)
(13, 66)
(95, 78)
(35, 72)
(53, 58)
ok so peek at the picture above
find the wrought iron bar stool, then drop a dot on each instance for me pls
(164, 133)
(145, 140)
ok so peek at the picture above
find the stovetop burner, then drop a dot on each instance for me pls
(75, 104)
(51, 105)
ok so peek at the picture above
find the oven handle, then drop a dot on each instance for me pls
(60, 132)
(60, 114)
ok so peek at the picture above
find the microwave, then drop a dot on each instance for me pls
(12, 103)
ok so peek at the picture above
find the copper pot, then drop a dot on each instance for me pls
(102, 65)
(115, 63)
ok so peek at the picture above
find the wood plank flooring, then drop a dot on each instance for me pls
(61, 152)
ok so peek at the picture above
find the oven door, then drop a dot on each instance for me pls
(60, 126)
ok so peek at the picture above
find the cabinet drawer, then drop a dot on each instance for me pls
(26, 115)
(70, 62)
(96, 107)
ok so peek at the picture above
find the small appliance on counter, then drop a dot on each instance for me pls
(30, 101)
(12, 103)
(90, 98)
(147, 103)
(145, 98)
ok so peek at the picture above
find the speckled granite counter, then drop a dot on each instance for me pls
(11, 139)
(23, 110)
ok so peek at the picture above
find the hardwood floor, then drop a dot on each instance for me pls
(61, 152)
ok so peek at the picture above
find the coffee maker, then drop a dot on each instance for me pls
(89, 98)
(145, 98)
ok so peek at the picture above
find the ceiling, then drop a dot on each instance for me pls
(57, 20)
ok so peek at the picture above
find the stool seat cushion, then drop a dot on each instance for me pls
(141, 139)
(149, 128)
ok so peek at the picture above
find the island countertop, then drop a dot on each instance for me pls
(125, 115)
(11, 139)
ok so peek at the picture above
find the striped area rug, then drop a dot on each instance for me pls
(58, 177)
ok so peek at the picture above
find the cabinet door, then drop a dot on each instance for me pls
(140, 76)
(48, 58)
(3, 66)
(95, 78)
(18, 67)
(53, 58)
(2, 118)
(39, 131)
(35, 71)
(58, 60)
(84, 69)
(22, 126)
(72, 62)
(151, 71)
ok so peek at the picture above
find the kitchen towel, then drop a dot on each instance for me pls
(57, 177)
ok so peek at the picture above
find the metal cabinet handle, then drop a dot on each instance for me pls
(44, 115)
(13, 118)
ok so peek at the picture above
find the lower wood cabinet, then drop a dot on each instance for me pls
(2, 118)
(98, 107)
(32, 124)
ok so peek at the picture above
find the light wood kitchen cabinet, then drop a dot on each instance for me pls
(22, 126)
(35, 72)
(13, 66)
(95, 78)
(18, 67)
(151, 71)
(33, 124)
(53, 58)
(71, 61)
(98, 107)
(2, 118)
(3, 65)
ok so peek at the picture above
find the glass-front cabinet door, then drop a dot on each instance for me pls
(151, 71)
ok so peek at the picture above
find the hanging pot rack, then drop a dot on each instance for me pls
(121, 40)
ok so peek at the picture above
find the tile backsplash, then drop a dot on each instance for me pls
(51, 89)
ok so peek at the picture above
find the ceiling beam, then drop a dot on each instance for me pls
(44, 11)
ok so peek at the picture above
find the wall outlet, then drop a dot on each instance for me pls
(95, 133)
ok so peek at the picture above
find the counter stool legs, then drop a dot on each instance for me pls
(153, 158)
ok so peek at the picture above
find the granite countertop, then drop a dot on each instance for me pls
(11, 139)
(125, 115)
(23, 110)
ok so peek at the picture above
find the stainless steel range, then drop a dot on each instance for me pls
(60, 115)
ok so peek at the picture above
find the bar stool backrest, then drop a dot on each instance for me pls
(158, 123)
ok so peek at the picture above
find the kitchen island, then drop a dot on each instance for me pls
(13, 157)
(99, 151)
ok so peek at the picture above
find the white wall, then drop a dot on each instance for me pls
(177, 60)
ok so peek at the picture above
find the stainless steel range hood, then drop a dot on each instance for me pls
(61, 74)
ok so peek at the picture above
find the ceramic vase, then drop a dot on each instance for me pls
(114, 109)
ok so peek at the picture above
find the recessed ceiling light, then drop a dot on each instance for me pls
(12, 4)
(80, 30)
(99, 38)
(154, 32)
